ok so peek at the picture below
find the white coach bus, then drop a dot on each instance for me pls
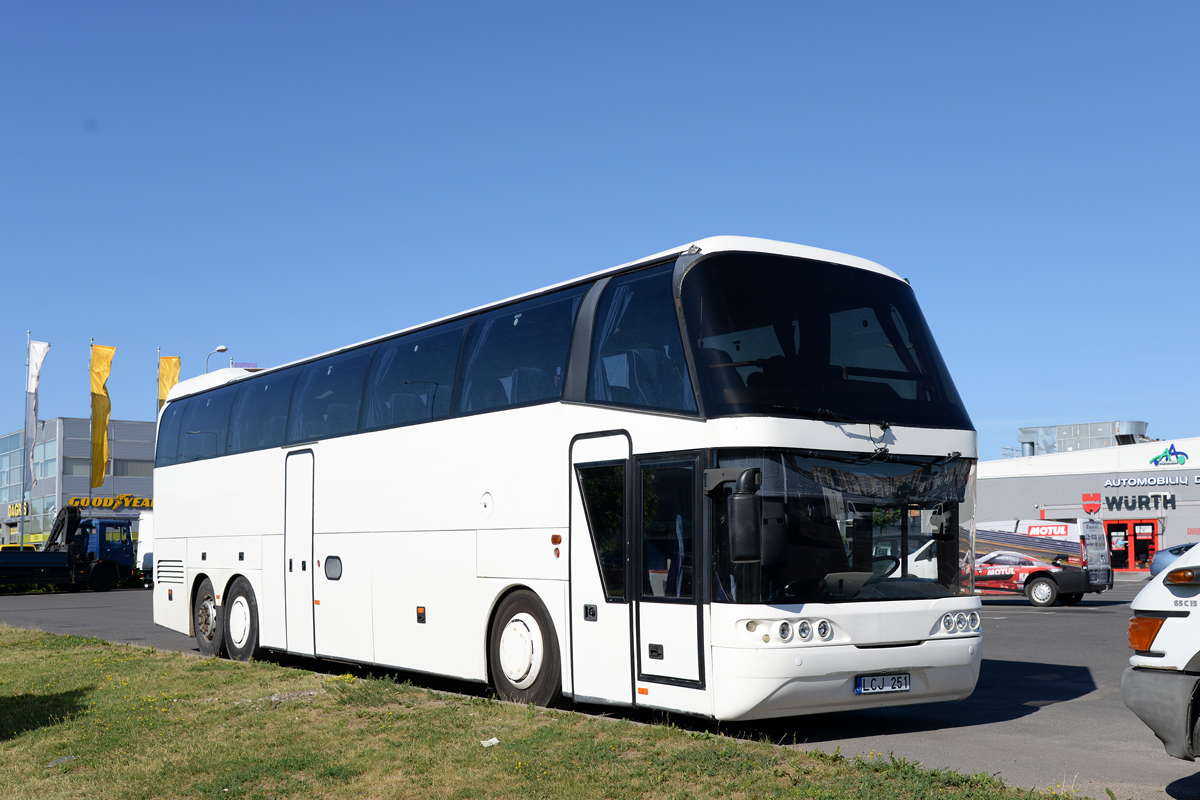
(692, 482)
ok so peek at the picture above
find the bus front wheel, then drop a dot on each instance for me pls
(241, 621)
(207, 619)
(523, 651)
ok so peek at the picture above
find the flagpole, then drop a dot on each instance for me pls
(91, 422)
(25, 451)
(156, 379)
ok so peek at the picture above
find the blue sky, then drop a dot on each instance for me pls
(286, 178)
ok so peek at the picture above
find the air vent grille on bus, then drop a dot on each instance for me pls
(169, 571)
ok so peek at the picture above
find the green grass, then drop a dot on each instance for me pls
(83, 718)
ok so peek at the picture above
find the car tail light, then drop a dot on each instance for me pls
(1182, 575)
(1142, 631)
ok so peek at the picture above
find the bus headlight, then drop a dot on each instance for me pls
(804, 630)
(824, 630)
(948, 623)
(783, 631)
(973, 620)
(960, 621)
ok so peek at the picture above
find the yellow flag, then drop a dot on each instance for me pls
(101, 408)
(168, 376)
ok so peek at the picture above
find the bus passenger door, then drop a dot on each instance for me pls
(297, 552)
(666, 581)
(601, 630)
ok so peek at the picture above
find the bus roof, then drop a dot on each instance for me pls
(708, 246)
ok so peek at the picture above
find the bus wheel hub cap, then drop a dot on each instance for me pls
(239, 622)
(521, 650)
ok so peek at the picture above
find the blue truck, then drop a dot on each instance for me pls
(96, 553)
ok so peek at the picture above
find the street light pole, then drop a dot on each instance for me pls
(220, 349)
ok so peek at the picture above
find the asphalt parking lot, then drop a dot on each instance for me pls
(1047, 712)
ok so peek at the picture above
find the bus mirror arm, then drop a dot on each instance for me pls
(745, 518)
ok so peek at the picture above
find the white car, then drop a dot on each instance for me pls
(1161, 682)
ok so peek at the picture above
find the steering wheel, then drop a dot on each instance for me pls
(895, 566)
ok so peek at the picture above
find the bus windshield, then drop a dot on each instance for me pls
(788, 336)
(841, 527)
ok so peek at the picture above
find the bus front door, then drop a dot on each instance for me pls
(599, 551)
(668, 583)
(298, 552)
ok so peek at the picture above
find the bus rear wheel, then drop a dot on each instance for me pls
(523, 651)
(206, 617)
(1042, 592)
(241, 621)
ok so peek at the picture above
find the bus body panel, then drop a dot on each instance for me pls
(426, 619)
(272, 624)
(764, 683)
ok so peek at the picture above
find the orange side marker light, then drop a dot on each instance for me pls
(1142, 631)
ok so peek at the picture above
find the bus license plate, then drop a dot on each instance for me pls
(875, 684)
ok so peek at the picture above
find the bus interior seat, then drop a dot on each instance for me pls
(340, 418)
(408, 407)
(722, 373)
(530, 384)
(652, 379)
(485, 393)
(276, 426)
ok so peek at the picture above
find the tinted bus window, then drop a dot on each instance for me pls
(328, 396)
(260, 408)
(167, 445)
(603, 490)
(517, 355)
(774, 335)
(637, 351)
(412, 377)
(205, 425)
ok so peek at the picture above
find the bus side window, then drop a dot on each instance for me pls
(328, 396)
(259, 412)
(412, 377)
(603, 491)
(167, 450)
(517, 355)
(637, 351)
(205, 425)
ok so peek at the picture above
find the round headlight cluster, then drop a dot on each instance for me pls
(961, 622)
(802, 630)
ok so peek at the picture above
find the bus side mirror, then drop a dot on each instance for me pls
(745, 518)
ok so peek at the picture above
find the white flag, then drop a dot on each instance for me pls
(37, 354)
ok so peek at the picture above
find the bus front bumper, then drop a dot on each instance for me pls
(757, 683)
(1163, 700)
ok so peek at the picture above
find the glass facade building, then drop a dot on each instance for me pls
(62, 469)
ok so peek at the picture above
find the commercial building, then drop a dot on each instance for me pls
(62, 453)
(1147, 493)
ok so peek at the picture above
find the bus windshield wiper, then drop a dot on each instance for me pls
(826, 414)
